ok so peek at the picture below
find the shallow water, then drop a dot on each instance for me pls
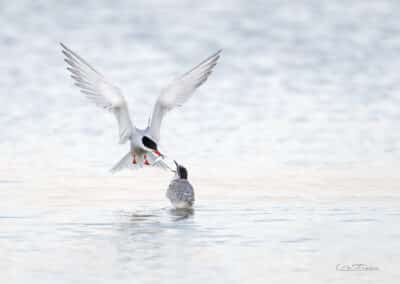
(292, 144)
(102, 230)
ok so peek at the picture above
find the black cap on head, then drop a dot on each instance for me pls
(181, 171)
(149, 143)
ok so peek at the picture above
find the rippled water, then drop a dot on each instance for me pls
(73, 235)
(307, 88)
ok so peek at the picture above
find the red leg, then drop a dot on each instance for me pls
(134, 159)
(145, 161)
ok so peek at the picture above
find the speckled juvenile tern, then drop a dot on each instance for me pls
(180, 192)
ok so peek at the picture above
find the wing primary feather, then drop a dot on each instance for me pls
(99, 90)
(180, 90)
(214, 56)
(80, 58)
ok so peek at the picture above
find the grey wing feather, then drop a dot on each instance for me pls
(100, 91)
(180, 90)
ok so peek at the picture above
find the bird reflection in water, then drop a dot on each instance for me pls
(181, 214)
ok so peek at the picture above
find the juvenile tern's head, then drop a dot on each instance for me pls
(181, 171)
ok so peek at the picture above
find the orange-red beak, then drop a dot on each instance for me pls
(158, 153)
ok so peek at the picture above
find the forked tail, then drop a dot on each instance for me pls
(127, 162)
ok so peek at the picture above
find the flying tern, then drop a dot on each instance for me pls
(144, 148)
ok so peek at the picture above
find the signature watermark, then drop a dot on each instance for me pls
(356, 267)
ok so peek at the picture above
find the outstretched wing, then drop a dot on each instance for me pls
(99, 91)
(181, 89)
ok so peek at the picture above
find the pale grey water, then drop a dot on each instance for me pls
(78, 234)
(299, 84)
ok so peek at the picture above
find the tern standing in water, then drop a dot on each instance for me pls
(180, 192)
(143, 142)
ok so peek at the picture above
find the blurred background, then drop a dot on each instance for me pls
(299, 82)
(292, 145)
